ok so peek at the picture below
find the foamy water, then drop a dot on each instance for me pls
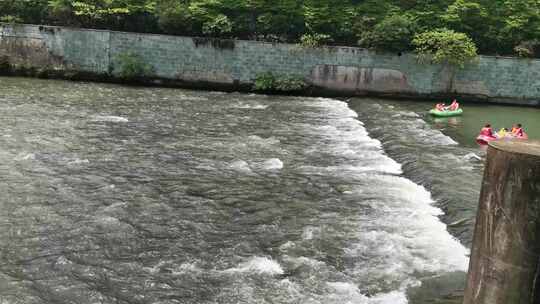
(207, 198)
(429, 156)
(109, 118)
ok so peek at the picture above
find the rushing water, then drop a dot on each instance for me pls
(441, 153)
(143, 195)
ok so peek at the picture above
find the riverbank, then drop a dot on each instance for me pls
(235, 65)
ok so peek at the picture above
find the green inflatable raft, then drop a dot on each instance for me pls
(438, 113)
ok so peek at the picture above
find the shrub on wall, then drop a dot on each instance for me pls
(132, 66)
(269, 82)
(264, 82)
(289, 84)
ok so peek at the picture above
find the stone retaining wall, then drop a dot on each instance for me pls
(233, 63)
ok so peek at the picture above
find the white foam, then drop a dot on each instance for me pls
(62, 260)
(114, 207)
(343, 292)
(419, 129)
(338, 108)
(307, 234)
(472, 156)
(25, 156)
(404, 236)
(298, 261)
(409, 114)
(240, 166)
(407, 233)
(107, 221)
(387, 166)
(109, 118)
(254, 106)
(258, 265)
(78, 161)
(272, 164)
(394, 297)
(185, 268)
(287, 245)
(263, 141)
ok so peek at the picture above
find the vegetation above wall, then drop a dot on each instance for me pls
(506, 27)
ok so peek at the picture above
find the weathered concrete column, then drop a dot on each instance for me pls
(505, 257)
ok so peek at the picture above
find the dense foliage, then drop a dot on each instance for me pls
(270, 82)
(502, 27)
(132, 67)
(444, 46)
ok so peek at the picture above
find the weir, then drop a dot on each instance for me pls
(505, 259)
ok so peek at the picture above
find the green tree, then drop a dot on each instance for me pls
(220, 25)
(281, 20)
(393, 33)
(331, 18)
(28, 11)
(496, 26)
(521, 22)
(445, 46)
(174, 17)
(471, 18)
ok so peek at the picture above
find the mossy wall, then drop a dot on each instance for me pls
(229, 63)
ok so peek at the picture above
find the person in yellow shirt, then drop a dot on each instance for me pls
(502, 133)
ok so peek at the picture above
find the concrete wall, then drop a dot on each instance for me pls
(350, 71)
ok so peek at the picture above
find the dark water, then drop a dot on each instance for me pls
(137, 195)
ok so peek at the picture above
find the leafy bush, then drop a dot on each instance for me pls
(530, 48)
(289, 84)
(445, 46)
(496, 27)
(268, 82)
(218, 26)
(131, 66)
(265, 81)
(314, 40)
(10, 19)
(174, 17)
(466, 16)
(393, 33)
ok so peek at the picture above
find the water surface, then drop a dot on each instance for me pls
(146, 195)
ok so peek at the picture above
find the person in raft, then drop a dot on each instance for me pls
(487, 131)
(503, 132)
(440, 107)
(454, 105)
(517, 130)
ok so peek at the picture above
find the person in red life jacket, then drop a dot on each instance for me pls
(517, 131)
(454, 105)
(487, 131)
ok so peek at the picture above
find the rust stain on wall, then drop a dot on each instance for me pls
(28, 52)
(355, 79)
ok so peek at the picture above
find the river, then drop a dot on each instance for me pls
(117, 194)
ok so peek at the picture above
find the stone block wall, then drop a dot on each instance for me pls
(343, 70)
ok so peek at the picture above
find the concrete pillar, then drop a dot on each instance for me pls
(505, 265)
